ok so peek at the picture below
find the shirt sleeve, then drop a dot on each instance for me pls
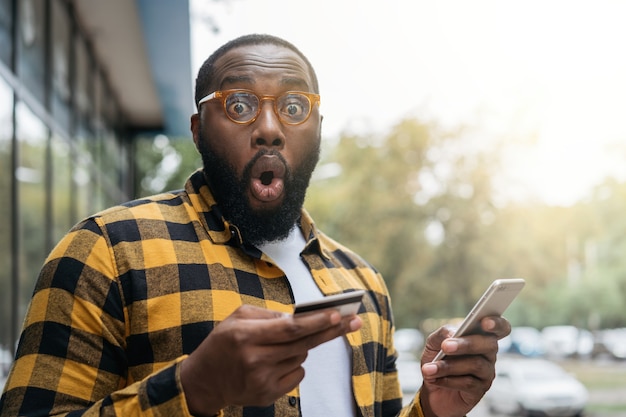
(71, 355)
(392, 389)
(414, 409)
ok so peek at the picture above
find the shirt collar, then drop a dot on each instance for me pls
(203, 202)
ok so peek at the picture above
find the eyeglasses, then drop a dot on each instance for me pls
(244, 106)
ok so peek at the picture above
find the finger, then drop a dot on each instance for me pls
(434, 342)
(289, 372)
(290, 380)
(346, 325)
(471, 388)
(315, 328)
(261, 326)
(285, 335)
(483, 343)
(496, 325)
(467, 373)
(284, 373)
(264, 388)
(272, 341)
(477, 366)
(479, 344)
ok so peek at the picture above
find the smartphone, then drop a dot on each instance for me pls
(493, 302)
(347, 303)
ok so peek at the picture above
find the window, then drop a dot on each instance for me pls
(82, 176)
(6, 29)
(60, 61)
(32, 141)
(30, 61)
(60, 150)
(6, 133)
(61, 187)
(82, 80)
(109, 109)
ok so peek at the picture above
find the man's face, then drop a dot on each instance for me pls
(259, 172)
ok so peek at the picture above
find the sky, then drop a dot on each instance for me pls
(546, 76)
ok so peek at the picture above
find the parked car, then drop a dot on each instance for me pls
(535, 386)
(408, 342)
(523, 340)
(6, 359)
(567, 341)
(410, 377)
(610, 342)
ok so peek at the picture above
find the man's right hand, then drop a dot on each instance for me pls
(255, 356)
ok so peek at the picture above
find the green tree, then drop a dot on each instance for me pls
(416, 204)
(163, 164)
(420, 205)
(368, 205)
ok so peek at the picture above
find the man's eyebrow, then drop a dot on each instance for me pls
(232, 79)
(293, 82)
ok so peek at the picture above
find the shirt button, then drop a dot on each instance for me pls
(293, 401)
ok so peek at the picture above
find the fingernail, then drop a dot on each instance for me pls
(451, 346)
(429, 369)
(490, 324)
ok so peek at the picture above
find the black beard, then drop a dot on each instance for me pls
(257, 226)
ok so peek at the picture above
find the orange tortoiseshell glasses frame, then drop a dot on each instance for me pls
(244, 106)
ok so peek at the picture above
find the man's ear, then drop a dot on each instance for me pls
(195, 128)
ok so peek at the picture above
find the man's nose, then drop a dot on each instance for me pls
(268, 129)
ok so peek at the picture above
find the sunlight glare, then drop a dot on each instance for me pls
(547, 74)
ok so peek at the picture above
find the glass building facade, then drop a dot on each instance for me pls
(66, 135)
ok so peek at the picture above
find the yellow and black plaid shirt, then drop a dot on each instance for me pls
(129, 292)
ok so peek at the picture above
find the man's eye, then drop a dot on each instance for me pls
(238, 108)
(294, 109)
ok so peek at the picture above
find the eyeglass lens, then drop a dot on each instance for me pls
(242, 106)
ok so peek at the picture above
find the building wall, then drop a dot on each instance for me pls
(64, 152)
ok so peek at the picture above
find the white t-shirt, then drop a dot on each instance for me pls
(326, 389)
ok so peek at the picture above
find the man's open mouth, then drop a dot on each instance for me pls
(267, 178)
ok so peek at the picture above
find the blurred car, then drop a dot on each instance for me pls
(408, 342)
(535, 386)
(410, 377)
(567, 341)
(6, 359)
(611, 342)
(523, 340)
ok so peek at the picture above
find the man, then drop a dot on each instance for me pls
(178, 304)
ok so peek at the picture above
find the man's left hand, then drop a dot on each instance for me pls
(455, 384)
